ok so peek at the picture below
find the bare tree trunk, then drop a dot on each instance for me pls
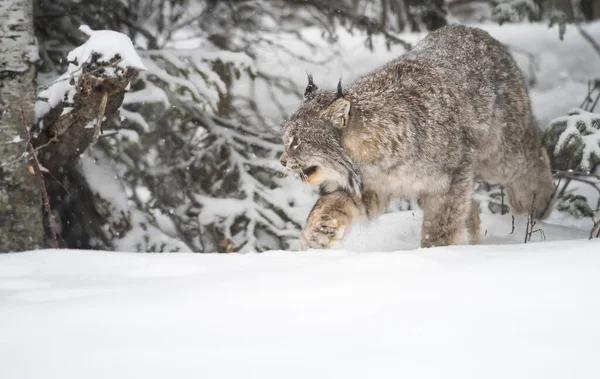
(20, 201)
(590, 9)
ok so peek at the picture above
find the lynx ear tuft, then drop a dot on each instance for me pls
(310, 88)
(338, 112)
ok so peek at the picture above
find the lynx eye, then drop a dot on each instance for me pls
(293, 143)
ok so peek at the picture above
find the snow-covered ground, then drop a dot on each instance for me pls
(489, 311)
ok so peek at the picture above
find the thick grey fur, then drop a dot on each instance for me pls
(453, 110)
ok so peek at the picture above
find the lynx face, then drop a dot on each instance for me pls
(313, 149)
(302, 155)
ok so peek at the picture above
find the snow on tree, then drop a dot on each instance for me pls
(578, 137)
(574, 145)
(212, 184)
(516, 10)
(190, 165)
(70, 112)
(555, 12)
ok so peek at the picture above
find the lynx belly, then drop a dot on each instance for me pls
(403, 182)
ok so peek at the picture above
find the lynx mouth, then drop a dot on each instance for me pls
(309, 171)
(307, 174)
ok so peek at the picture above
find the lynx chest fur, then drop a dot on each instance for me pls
(426, 125)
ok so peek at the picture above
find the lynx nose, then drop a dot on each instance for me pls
(283, 160)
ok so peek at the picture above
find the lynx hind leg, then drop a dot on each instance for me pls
(473, 223)
(533, 189)
(328, 221)
(446, 216)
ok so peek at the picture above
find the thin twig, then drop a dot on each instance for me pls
(38, 171)
(539, 231)
(588, 98)
(24, 155)
(595, 228)
(582, 178)
(574, 174)
(530, 222)
(527, 228)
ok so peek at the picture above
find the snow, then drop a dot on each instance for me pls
(513, 10)
(151, 94)
(489, 311)
(402, 230)
(108, 44)
(33, 53)
(189, 75)
(580, 125)
(135, 117)
(104, 181)
(143, 236)
(375, 305)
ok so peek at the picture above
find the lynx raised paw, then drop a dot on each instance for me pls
(322, 231)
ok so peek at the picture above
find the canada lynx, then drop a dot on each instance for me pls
(426, 125)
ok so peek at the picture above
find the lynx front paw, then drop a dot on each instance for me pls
(322, 231)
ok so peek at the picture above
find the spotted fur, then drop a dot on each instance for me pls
(453, 110)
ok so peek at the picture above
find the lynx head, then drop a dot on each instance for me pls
(312, 141)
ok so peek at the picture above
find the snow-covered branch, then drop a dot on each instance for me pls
(70, 113)
(578, 137)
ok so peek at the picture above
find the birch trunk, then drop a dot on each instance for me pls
(21, 225)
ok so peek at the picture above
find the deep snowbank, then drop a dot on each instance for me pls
(489, 311)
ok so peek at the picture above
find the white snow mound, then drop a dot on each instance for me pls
(510, 311)
(108, 44)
